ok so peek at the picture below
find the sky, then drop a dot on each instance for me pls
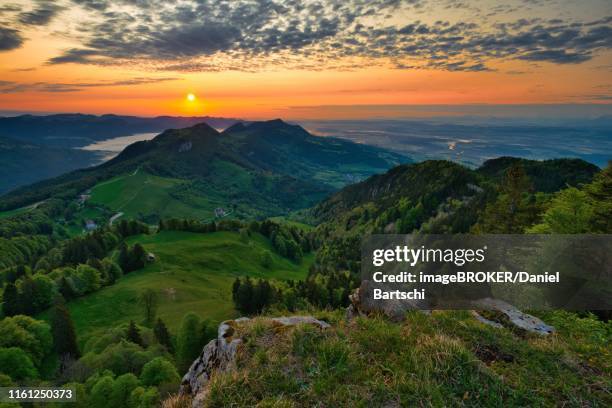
(303, 59)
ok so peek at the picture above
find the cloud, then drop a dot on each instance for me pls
(253, 35)
(8, 87)
(10, 39)
(556, 56)
(42, 15)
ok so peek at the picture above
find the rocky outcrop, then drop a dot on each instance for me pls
(362, 305)
(219, 355)
(522, 321)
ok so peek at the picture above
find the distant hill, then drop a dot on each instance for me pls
(546, 175)
(408, 196)
(77, 130)
(23, 163)
(34, 148)
(251, 170)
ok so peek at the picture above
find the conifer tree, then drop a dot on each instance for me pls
(235, 288)
(124, 257)
(62, 327)
(10, 297)
(163, 335)
(133, 334)
(244, 302)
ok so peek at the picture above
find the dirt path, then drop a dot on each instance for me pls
(114, 218)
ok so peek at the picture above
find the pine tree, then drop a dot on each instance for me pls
(138, 257)
(235, 288)
(26, 297)
(600, 192)
(12, 305)
(124, 257)
(133, 334)
(244, 301)
(64, 335)
(163, 335)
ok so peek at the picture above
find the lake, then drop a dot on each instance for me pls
(110, 148)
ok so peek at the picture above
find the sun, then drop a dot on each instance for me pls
(191, 97)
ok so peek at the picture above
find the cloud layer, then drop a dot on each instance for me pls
(182, 35)
(8, 87)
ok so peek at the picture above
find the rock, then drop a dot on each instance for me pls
(219, 355)
(362, 304)
(295, 320)
(521, 320)
(486, 321)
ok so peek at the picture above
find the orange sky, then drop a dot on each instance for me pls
(276, 89)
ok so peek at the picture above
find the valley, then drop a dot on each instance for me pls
(140, 258)
(192, 272)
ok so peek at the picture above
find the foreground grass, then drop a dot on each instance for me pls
(446, 359)
(192, 272)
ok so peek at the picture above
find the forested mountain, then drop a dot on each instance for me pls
(264, 168)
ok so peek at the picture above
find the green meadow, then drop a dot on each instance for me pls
(141, 194)
(192, 272)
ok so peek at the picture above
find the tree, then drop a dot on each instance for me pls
(188, 341)
(235, 289)
(244, 299)
(266, 259)
(514, 208)
(16, 362)
(89, 276)
(44, 291)
(101, 392)
(149, 300)
(26, 297)
(122, 389)
(138, 257)
(62, 328)
(262, 295)
(66, 288)
(163, 335)
(569, 213)
(112, 271)
(159, 371)
(10, 297)
(124, 257)
(600, 192)
(133, 334)
(32, 336)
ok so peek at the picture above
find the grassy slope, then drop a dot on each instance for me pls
(445, 359)
(16, 211)
(142, 193)
(199, 267)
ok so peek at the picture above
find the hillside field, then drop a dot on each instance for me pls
(192, 272)
(140, 193)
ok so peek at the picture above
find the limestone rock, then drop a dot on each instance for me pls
(219, 355)
(521, 320)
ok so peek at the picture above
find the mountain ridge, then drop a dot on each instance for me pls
(281, 165)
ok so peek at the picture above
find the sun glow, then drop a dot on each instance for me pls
(191, 97)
